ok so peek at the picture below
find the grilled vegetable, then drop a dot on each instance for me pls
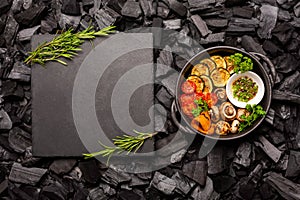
(200, 69)
(188, 87)
(187, 99)
(221, 94)
(202, 122)
(227, 111)
(229, 64)
(198, 81)
(208, 86)
(210, 63)
(220, 62)
(219, 77)
(222, 128)
(188, 108)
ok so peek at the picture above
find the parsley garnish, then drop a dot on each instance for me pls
(241, 63)
(255, 111)
(202, 106)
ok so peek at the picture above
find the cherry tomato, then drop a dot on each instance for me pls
(187, 109)
(187, 99)
(188, 87)
(199, 95)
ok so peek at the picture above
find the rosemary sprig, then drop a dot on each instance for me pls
(123, 143)
(65, 45)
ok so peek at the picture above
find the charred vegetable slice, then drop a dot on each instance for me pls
(202, 122)
(208, 86)
(230, 64)
(198, 81)
(219, 77)
(220, 62)
(210, 63)
(200, 69)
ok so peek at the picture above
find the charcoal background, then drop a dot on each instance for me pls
(264, 165)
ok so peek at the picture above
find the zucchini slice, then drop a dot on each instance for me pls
(220, 77)
(200, 69)
(198, 81)
(208, 85)
(229, 63)
(220, 62)
(210, 63)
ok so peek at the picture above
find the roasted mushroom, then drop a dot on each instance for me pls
(222, 128)
(214, 114)
(240, 112)
(227, 111)
(221, 94)
(202, 122)
(234, 126)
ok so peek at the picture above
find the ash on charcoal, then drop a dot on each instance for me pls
(286, 188)
(213, 38)
(201, 25)
(62, 166)
(26, 175)
(293, 169)
(103, 191)
(26, 34)
(286, 63)
(243, 154)
(244, 12)
(250, 45)
(183, 184)
(216, 160)
(105, 17)
(115, 178)
(283, 32)
(5, 121)
(216, 23)
(146, 6)
(10, 30)
(19, 140)
(20, 72)
(131, 9)
(54, 191)
(172, 24)
(269, 148)
(267, 21)
(244, 23)
(70, 7)
(206, 192)
(271, 48)
(163, 183)
(284, 15)
(90, 171)
(68, 21)
(31, 16)
(196, 170)
(177, 7)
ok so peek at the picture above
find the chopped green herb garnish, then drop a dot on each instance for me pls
(202, 106)
(255, 111)
(241, 63)
(244, 89)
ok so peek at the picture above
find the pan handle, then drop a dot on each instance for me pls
(176, 122)
(273, 74)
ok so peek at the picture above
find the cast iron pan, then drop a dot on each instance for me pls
(223, 51)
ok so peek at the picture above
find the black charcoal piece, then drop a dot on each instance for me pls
(5, 6)
(206, 192)
(216, 160)
(131, 9)
(31, 16)
(105, 17)
(128, 194)
(269, 148)
(284, 15)
(146, 6)
(293, 169)
(216, 23)
(276, 137)
(26, 34)
(2, 22)
(10, 30)
(62, 166)
(163, 183)
(286, 63)
(54, 131)
(68, 21)
(297, 9)
(115, 178)
(244, 12)
(267, 21)
(262, 2)
(178, 7)
(20, 72)
(3, 186)
(26, 175)
(196, 170)
(286, 188)
(104, 191)
(19, 140)
(70, 7)
(7, 155)
(283, 32)
(172, 24)
(162, 10)
(291, 82)
(223, 183)
(164, 97)
(244, 23)
(243, 154)
(271, 48)
(251, 45)
(201, 25)
(54, 191)
(213, 38)
(88, 3)
(230, 3)
(90, 170)
(48, 24)
(5, 121)
(183, 184)
(202, 4)
(136, 181)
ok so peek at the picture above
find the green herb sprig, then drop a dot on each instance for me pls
(65, 45)
(202, 106)
(123, 143)
(255, 111)
(241, 63)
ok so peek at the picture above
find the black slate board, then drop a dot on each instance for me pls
(53, 127)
